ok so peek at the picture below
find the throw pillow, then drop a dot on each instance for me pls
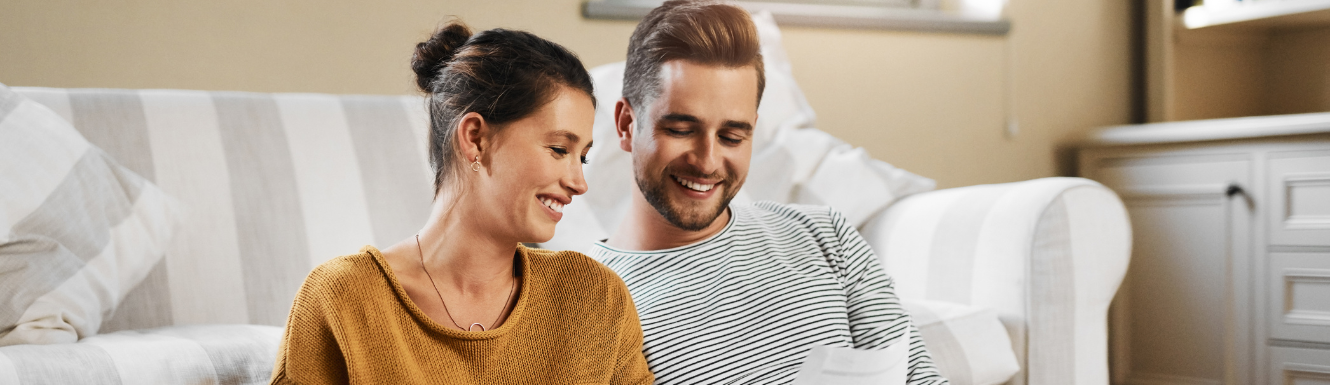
(77, 230)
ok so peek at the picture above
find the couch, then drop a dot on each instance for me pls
(270, 185)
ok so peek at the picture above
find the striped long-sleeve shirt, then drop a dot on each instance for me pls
(746, 305)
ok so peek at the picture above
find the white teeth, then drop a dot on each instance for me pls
(695, 186)
(552, 204)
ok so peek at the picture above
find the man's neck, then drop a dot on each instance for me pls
(645, 229)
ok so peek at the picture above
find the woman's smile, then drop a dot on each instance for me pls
(553, 205)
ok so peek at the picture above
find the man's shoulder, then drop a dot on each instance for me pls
(810, 215)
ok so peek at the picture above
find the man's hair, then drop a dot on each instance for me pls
(706, 32)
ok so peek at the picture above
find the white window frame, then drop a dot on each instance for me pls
(910, 16)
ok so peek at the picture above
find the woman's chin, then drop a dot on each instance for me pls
(540, 234)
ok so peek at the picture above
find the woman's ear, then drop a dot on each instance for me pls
(471, 133)
(624, 123)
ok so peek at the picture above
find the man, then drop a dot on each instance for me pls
(731, 293)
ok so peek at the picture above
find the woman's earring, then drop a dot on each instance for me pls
(475, 166)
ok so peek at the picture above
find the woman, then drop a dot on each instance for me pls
(462, 301)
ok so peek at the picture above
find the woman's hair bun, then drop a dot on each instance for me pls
(433, 55)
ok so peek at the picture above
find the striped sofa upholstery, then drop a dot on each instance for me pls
(272, 184)
(1047, 254)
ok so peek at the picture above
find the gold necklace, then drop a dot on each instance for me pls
(445, 304)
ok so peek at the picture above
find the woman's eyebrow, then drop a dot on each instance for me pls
(565, 134)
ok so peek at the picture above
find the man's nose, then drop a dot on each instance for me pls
(705, 157)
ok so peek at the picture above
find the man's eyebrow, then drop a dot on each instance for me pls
(681, 118)
(735, 124)
(738, 125)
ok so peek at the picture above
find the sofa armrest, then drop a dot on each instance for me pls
(1047, 254)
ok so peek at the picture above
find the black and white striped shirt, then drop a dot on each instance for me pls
(746, 305)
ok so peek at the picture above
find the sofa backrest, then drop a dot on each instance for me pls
(272, 185)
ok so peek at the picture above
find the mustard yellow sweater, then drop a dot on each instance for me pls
(574, 323)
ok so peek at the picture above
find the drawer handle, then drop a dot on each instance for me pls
(1234, 189)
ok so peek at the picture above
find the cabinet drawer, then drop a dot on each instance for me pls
(1191, 176)
(1299, 366)
(1299, 295)
(1299, 211)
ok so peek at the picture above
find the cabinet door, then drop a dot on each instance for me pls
(1183, 313)
(1300, 198)
(1299, 366)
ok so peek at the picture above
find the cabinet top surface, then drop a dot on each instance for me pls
(1208, 130)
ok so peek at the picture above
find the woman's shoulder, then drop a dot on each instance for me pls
(573, 268)
(351, 270)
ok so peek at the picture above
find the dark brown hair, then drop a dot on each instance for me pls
(503, 75)
(704, 32)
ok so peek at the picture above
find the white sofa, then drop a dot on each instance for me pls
(274, 184)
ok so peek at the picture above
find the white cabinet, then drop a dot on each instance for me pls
(1229, 280)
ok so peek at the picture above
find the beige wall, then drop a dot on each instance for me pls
(935, 104)
(1298, 62)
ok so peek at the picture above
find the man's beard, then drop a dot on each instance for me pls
(691, 217)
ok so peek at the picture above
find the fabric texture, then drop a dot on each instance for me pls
(793, 162)
(353, 322)
(746, 305)
(78, 231)
(195, 354)
(1047, 255)
(275, 184)
(969, 344)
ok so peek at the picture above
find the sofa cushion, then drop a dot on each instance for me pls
(77, 229)
(195, 354)
(968, 343)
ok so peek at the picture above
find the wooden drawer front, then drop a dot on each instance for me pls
(1300, 296)
(1299, 366)
(1299, 210)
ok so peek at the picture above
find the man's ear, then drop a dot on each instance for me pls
(624, 123)
(472, 132)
